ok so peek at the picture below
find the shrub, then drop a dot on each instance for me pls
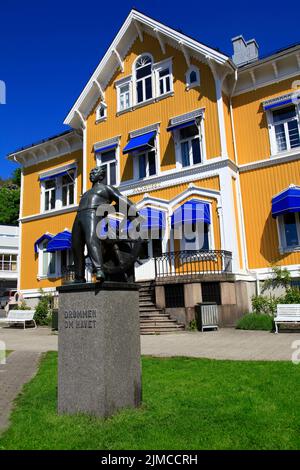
(292, 296)
(254, 321)
(23, 306)
(43, 310)
(265, 305)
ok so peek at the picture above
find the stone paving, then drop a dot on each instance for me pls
(20, 367)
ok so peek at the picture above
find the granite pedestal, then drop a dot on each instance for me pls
(99, 359)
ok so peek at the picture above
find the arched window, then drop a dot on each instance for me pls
(143, 78)
(192, 77)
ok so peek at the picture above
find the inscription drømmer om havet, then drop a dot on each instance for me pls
(80, 318)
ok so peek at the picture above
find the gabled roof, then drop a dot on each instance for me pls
(135, 24)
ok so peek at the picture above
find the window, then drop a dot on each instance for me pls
(174, 295)
(192, 77)
(47, 261)
(101, 112)
(211, 292)
(285, 127)
(59, 191)
(108, 159)
(8, 262)
(189, 143)
(199, 241)
(68, 189)
(145, 164)
(66, 259)
(164, 78)
(50, 195)
(143, 77)
(124, 101)
(289, 231)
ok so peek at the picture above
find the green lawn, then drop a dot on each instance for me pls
(188, 404)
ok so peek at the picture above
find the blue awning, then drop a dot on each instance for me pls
(46, 236)
(53, 175)
(154, 218)
(61, 241)
(141, 142)
(286, 201)
(181, 126)
(191, 212)
(106, 149)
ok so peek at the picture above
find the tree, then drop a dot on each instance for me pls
(9, 205)
(280, 278)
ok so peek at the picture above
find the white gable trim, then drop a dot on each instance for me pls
(88, 96)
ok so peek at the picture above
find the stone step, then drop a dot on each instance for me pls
(152, 311)
(147, 303)
(163, 322)
(156, 332)
(154, 316)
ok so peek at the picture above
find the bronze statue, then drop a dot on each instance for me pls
(111, 259)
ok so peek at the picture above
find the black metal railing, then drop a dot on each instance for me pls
(193, 263)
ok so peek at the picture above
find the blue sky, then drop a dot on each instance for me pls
(49, 49)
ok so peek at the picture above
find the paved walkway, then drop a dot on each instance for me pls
(227, 343)
(20, 367)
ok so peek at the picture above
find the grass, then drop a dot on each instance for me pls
(255, 321)
(188, 404)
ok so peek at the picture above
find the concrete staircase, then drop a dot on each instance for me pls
(153, 320)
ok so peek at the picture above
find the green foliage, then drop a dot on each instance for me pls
(9, 205)
(292, 296)
(192, 326)
(280, 278)
(254, 321)
(23, 306)
(16, 177)
(265, 305)
(43, 311)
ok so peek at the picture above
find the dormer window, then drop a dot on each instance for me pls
(143, 77)
(101, 112)
(192, 77)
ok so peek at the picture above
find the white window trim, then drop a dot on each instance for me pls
(58, 195)
(119, 85)
(134, 80)
(156, 69)
(283, 248)
(41, 274)
(136, 156)
(272, 135)
(177, 142)
(190, 85)
(117, 160)
(99, 118)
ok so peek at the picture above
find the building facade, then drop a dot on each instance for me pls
(179, 126)
(9, 251)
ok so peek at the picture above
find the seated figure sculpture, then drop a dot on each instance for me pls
(84, 232)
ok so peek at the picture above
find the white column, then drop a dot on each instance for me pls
(229, 222)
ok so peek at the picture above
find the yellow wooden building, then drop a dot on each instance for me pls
(178, 125)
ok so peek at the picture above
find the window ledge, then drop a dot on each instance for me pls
(289, 249)
(145, 103)
(51, 276)
(286, 153)
(101, 120)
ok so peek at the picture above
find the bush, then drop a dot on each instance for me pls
(265, 305)
(43, 310)
(292, 296)
(254, 321)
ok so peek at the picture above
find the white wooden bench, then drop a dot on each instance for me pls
(287, 313)
(19, 316)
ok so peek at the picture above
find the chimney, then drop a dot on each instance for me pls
(244, 51)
